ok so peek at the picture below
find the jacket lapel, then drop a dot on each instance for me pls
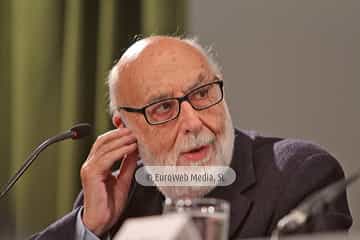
(242, 164)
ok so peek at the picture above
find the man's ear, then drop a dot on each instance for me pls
(117, 121)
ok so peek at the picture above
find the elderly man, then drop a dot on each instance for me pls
(166, 99)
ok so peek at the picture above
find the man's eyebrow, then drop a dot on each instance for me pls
(160, 96)
(157, 97)
(198, 83)
(201, 80)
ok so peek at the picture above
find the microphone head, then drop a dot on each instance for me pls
(80, 130)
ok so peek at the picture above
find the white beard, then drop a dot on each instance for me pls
(222, 155)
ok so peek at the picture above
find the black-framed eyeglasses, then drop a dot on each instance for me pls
(168, 109)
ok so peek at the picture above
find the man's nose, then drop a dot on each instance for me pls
(189, 119)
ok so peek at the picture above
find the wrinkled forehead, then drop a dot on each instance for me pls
(160, 66)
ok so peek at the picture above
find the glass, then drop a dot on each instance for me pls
(210, 215)
(165, 110)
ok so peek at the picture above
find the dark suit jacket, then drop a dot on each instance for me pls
(273, 176)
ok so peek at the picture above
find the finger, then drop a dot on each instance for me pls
(103, 166)
(109, 136)
(127, 169)
(111, 146)
(133, 156)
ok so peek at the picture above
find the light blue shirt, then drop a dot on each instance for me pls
(82, 233)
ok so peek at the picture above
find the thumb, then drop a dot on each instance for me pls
(128, 166)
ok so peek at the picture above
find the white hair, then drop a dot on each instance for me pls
(113, 75)
(207, 52)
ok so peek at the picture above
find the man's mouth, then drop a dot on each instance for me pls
(196, 154)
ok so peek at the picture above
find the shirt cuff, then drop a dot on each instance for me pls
(82, 233)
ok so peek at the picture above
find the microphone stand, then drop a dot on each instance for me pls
(75, 132)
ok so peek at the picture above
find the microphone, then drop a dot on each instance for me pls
(76, 132)
(312, 205)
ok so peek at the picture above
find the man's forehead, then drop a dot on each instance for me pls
(153, 68)
(154, 92)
